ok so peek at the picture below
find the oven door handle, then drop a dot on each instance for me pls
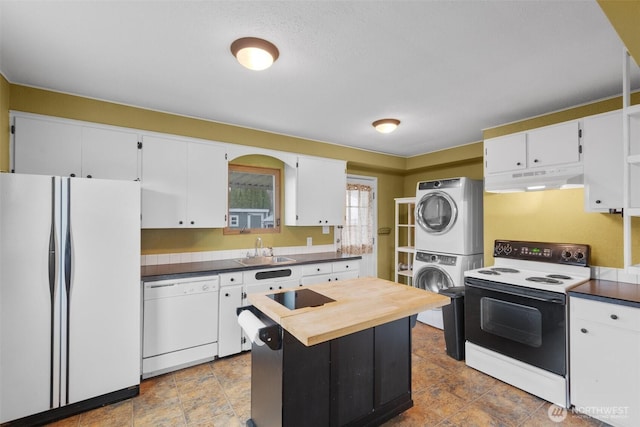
(534, 294)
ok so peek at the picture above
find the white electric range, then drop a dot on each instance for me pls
(516, 315)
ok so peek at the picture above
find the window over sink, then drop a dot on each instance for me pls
(254, 200)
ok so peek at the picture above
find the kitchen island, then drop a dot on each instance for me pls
(346, 362)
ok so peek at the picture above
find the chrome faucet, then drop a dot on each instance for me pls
(258, 246)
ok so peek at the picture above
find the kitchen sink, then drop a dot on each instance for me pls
(265, 260)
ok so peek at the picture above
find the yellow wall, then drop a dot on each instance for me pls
(4, 124)
(624, 15)
(388, 169)
(558, 215)
(546, 216)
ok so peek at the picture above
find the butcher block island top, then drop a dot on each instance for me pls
(358, 304)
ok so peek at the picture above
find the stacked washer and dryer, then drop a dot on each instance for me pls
(449, 238)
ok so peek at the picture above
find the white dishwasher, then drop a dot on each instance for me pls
(180, 324)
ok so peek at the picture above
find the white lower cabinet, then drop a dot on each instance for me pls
(329, 272)
(605, 361)
(229, 332)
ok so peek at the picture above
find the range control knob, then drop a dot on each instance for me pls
(433, 258)
(508, 249)
(566, 254)
(579, 255)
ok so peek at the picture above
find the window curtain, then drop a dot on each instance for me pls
(357, 234)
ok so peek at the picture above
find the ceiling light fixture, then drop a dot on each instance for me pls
(386, 125)
(254, 53)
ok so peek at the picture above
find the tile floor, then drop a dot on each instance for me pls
(445, 393)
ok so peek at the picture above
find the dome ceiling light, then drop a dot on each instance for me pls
(254, 53)
(386, 125)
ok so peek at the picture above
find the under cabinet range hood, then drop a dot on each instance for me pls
(558, 177)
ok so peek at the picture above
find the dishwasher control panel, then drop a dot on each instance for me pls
(174, 288)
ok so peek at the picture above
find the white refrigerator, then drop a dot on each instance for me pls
(69, 295)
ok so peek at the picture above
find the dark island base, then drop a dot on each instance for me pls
(362, 379)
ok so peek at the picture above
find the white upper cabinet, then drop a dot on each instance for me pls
(315, 192)
(543, 158)
(553, 145)
(505, 153)
(207, 185)
(46, 147)
(603, 160)
(184, 184)
(49, 146)
(109, 154)
(537, 148)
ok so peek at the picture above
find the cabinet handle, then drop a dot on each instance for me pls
(73, 175)
(598, 202)
(535, 160)
(320, 222)
(518, 164)
(232, 279)
(614, 316)
(270, 288)
(89, 176)
(180, 222)
(583, 330)
(226, 295)
(318, 269)
(192, 222)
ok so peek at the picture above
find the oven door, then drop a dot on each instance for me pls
(522, 323)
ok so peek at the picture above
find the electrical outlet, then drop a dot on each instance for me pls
(309, 241)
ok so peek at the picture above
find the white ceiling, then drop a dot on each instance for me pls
(446, 69)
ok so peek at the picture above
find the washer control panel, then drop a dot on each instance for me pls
(436, 258)
(556, 253)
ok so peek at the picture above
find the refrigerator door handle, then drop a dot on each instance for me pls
(68, 250)
(52, 260)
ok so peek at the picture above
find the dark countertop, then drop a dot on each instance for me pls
(620, 293)
(152, 273)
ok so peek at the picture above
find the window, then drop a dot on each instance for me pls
(254, 200)
(357, 233)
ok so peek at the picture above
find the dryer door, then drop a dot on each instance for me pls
(432, 278)
(436, 212)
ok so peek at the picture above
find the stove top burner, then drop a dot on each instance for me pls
(489, 272)
(547, 280)
(559, 276)
(505, 270)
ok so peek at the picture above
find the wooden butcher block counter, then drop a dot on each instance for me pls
(359, 304)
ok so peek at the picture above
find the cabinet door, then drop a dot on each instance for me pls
(164, 183)
(206, 186)
(321, 189)
(46, 147)
(505, 153)
(553, 145)
(604, 354)
(603, 160)
(604, 369)
(109, 154)
(229, 332)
